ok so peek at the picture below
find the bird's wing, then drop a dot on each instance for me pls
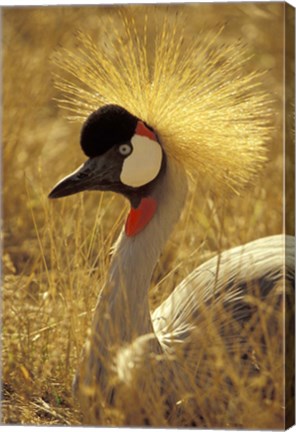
(227, 281)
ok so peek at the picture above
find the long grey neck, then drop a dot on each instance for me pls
(123, 304)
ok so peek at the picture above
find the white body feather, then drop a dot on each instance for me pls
(265, 259)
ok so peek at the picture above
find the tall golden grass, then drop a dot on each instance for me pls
(56, 254)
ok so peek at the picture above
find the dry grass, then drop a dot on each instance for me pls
(56, 254)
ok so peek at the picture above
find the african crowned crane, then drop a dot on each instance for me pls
(159, 114)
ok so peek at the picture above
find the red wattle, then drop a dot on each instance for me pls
(139, 217)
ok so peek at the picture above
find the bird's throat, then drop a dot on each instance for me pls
(138, 218)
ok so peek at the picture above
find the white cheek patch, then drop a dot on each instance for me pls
(143, 164)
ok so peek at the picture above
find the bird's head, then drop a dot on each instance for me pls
(211, 112)
(125, 156)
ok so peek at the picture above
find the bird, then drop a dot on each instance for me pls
(155, 116)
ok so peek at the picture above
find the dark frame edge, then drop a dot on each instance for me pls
(289, 216)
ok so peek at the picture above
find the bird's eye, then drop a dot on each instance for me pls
(125, 149)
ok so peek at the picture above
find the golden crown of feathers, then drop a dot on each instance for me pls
(209, 112)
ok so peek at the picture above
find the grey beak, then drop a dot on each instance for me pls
(88, 176)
